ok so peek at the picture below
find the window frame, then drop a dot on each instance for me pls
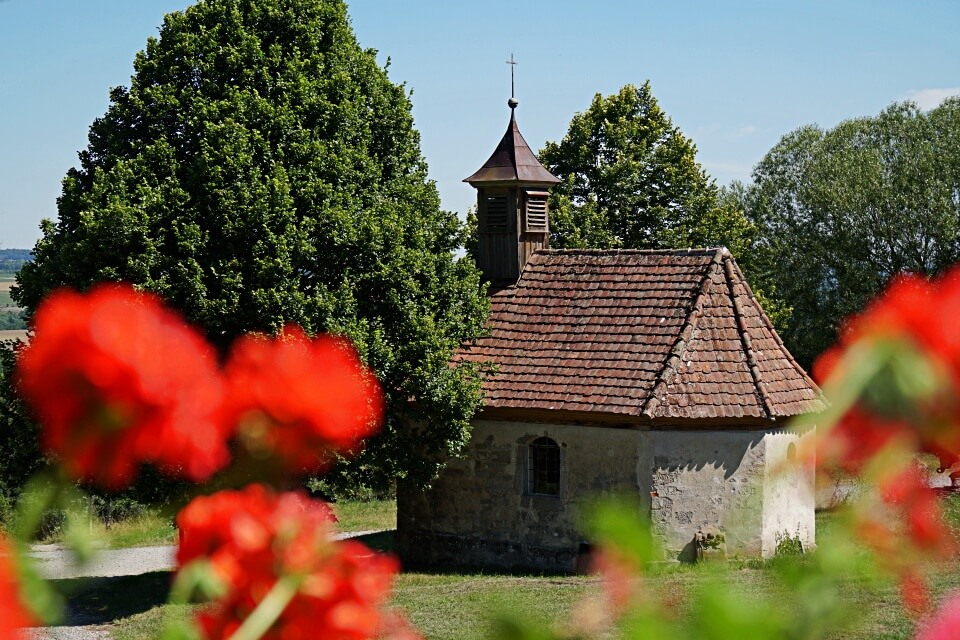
(543, 467)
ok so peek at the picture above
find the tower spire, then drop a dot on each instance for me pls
(512, 208)
(512, 102)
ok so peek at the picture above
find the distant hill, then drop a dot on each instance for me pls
(12, 259)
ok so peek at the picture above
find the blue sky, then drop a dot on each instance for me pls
(735, 76)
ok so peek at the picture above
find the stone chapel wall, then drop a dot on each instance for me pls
(480, 513)
(707, 479)
(737, 481)
(789, 491)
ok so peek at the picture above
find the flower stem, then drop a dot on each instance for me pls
(269, 609)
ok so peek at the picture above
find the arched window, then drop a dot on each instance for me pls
(543, 467)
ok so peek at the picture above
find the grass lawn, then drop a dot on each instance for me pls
(366, 516)
(463, 606)
(152, 528)
(147, 529)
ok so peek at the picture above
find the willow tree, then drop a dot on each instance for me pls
(262, 169)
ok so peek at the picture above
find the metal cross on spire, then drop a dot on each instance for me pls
(513, 100)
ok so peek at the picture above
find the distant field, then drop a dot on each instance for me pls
(6, 281)
(10, 320)
(14, 334)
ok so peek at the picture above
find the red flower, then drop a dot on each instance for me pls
(918, 315)
(923, 522)
(945, 624)
(13, 615)
(253, 538)
(296, 400)
(117, 380)
(619, 578)
(914, 593)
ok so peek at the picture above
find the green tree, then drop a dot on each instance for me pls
(842, 211)
(18, 435)
(262, 169)
(630, 179)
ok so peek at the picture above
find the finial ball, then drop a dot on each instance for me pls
(512, 103)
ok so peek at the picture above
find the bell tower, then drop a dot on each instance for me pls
(512, 196)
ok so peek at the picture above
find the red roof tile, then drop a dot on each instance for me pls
(656, 335)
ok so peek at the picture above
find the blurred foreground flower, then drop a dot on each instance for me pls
(13, 615)
(274, 551)
(295, 400)
(118, 380)
(900, 361)
(945, 625)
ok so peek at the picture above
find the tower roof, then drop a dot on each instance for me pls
(512, 161)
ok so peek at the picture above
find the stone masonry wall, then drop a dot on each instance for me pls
(742, 482)
(479, 513)
(708, 479)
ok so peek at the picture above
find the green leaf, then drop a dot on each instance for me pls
(621, 524)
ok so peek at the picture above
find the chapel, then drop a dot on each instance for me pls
(650, 373)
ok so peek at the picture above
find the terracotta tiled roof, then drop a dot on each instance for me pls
(654, 335)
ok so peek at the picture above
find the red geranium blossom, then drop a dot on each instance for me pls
(913, 316)
(13, 615)
(945, 624)
(117, 380)
(254, 537)
(296, 399)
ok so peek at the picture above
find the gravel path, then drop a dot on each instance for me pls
(55, 563)
(66, 633)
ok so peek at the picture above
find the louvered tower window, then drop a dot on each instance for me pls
(536, 210)
(543, 467)
(498, 218)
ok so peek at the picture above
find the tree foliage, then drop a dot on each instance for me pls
(843, 210)
(630, 179)
(262, 169)
(18, 433)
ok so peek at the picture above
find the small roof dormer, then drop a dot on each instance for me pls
(512, 206)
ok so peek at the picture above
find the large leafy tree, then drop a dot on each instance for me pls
(630, 179)
(843, 210)
(262, 169)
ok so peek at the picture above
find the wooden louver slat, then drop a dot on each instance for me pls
(497, 215)
(536, 214)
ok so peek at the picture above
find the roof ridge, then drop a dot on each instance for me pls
(776, 336)
(745, 339)
(706, 251)
(669, 369)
